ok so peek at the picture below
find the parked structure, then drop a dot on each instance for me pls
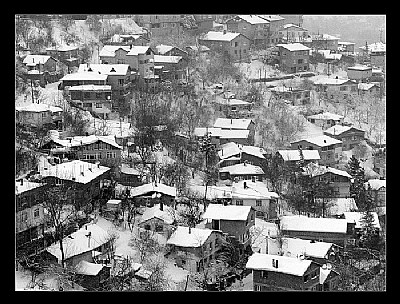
(293, 57)
(350, 136)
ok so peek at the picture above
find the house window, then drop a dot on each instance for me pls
(345, 96)
(305, 278)
(120, 82)
(36, 213)
(24, 216)
(58, 182)
(98, 105)
(235, 52)
(239, 202)
(44, 114)
(159, 228)
(312, 120)
(110, 155)
(331, 96)
(236, 44)
(258, 287)
(343, 88)
(215, 224)
(258, 203)
(264, 274)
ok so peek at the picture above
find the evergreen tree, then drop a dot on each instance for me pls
(369, 237)
(357, 185)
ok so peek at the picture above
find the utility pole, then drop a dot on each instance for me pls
(33, 99)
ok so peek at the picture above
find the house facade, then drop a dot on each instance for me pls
(173, 68)
(293, 57)
(360, 73)
(234, 108)
(377, 189)
(242, 171)
(161, 25)
(44, 68)
(295, 96)
(336, 89)
(338, 180)
(69, 55)
(40, 115)
(291, 33)
(324, 42)
(227, 124)
(325, 120)
(158, 219)
(346, 48)
(251, 26)
(276, 22)
(350, 136)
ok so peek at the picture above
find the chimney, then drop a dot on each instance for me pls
(337, 77)
(130, 46)
(224, 31)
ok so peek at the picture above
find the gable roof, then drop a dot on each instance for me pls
(289, 25)
(214, 132)
(148, 188)
(63, 48)
(356, 217)
(253, 19)
(77, 141)
(36, 59)
(38, 107)
(197, 237)
(288, 265)
(326, 116)
(233, 102)
(289, 155)
(294, 247)
(321, 141)
(304, 223)
(26, 186)
(229, 212)
(87, 268)
(323, 37)
(120, 69)
(166, 59)
(253, 190)
(271, 18)
(333, 81)
(339, 129)
(154, 212)
(84, 76)
(138, 50)
(242, 169)
(366, 86)
(375, 184)
(231, 149)
(109, 50)
(90, 87)
(320, 170)
(77, 242)
(232, 123)
(360, 68)
(294, 47)
(219, 36)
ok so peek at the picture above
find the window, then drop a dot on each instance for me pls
(236, 44)
(258, 203)
(239, 202)
(305, 68)
(331, 96)
(257, 287)
(305, 278)
(159, 228)
(86, 95)
(58, 181)
(147, 227)
(44, 114)
(300, 61)
(24, 216)
(343, 88)
(120, 82)
(215, 224)
(264, 274)
(98, 105)
(110, 155)
(235, 52)
(36, 213)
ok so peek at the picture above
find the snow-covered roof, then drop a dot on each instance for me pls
(326, 116)
(214, 132)
(366, 86)
(26, 186)
(288, 265)
(271, 17)
(232, 123)
(109, 50)
(219, 36)
(148, 188)
(294, 47)
(356, 217)
(332, 81)
(321, 141)
(323, 37)
(304, 223)
(375, 47)
(162, 48)
(213, 192)
(233, 102)
(39, 107)
(138, 49)
(333, 56)
(375, 184)
(338, 205)
(73, 171)
(197, 237)
(337, 129)
(289, 25)
(90, 87)
(242, 169)
(253, 190)
(294, 247)
(77, 141)
(360, 68)
(87, 268)
(229, 212)
(78, 242)
(288, 155)
(324, 273)
(107, 69)
(319, 170)
(155, 212)
(36, 59)
(345, 43)
(63, 48)
(114, 202)
(84, 76)
(201, 48)
(128, 170)
(230, 134)
(231, 149)
(253, 19)
(166, 59)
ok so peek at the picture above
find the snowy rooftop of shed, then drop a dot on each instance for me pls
(326, 116)
(294, 47)
(219, 36)
(38, 107)
(165, 215)
(87, 268)
(151, 187)
(107, 69)
(26, 186)
(253, 19)
(231, 149)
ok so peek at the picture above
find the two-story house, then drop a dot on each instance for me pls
(96, 99)
(291, 157)
(294, 95)
(119, 78)
(67, 54)
(331, 230)
(325, 120)
(43, 68)
(291, 33)
(293, 57)
(39, 115)
(282, 273)
(350, 136)
(324, 42)
(169, 50)
(252, 26)
(236, 124)
(336, 89)
(159, 219)
(328, 148)
(359, 73)
(232, 153)
(235, 45)
(338, 180)
(242, 171)
(170, 67)
(376, 53)
(234, 220)
(275, 24)
(234, 108)
(29, 216)
(194, 248)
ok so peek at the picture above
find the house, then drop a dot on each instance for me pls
(380, 162)
(235, 45)
(369, 89)
(346, 48)
(29, 214)
(42, 67)
(319, 252)
(256, 195)
(83, 179)
(338, 180)
(234, 108)
(150, 194)
(377, 54)
(293, 57)
(331, 230)
(242, 171)
(294, 95)
(159, 219)
(97, 99)
(324, 42)
(76, 79)
(91, 275)
(194, 248)
(161, 25)
(242, 137)
(335, 206)
(336, 89)
(119, 78)
(170, 67)
(328, 148)
(291, 33)
(130, 39)
(232, 153)
(169, 50)
(291, 157)
(282, 273)
(92, 148)
(350, 136)
(377, 189)
(356, 217)
(235, 124)
(194, 50)
(67, 54)
(234, 220)
(128, 176)
(214, 133)
(81, 245)
(40, 115)
(359, 73)
(275, 24)
(293, 19)
(326, 119)
(253, 27)
(204, 22)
